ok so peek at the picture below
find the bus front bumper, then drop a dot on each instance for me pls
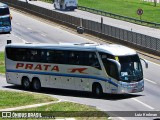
(135, 87)
(71, 7)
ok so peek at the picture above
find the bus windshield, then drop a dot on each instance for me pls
(4, 11)
(5, 22)
(131, 69)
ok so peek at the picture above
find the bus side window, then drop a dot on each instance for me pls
(71, 59)
(43, 56)
(93, 60)
(74, 57)
(34, 55)
(16, 54)
(10, 53)
(59, 57)
(56, 56)
(50, 56)
(20, 54)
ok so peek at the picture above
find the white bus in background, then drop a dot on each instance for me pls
(65, 4)
(85, 67)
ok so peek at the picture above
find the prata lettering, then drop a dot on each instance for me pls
(40, 67)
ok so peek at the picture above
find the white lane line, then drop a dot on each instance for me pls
(43, 35)
(24, 41)
(153, 63)
(150, 81)
(18, 23)
(143, 103)
(116, 118)
(29, 28)
(57, 27)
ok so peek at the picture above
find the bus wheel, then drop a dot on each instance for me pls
(97, 90)
(26, 83)
(36, 84)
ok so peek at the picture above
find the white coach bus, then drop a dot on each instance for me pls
(85, 67)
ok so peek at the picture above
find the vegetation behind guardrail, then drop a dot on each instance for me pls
(108, 14)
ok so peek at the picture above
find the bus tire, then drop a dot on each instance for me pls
(36, 84)
(26, 83)
(97, 90)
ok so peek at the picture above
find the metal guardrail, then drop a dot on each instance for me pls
(146, 43)
(129, 19)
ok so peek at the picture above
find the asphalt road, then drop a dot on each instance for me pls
(26, 29)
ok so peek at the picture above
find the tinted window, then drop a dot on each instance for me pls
(33, 55)
(54, 56)
(4, 11)
(5, 21)
(93, 60)
(16, 54)
(23, 54)
(75, 58)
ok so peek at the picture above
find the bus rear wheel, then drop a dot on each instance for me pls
(36, 85)
(97, 90)
(26, 83)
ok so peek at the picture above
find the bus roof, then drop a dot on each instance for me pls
(2, 5)
(113, 49)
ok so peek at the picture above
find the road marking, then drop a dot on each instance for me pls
(143, 103)
(18, 23)
(24, 41)
(29, 28)
(43, 35)
(88, 40)
(150, 81)
(116, 118)
(154, 63)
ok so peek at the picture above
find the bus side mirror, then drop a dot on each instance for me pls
(146, 63)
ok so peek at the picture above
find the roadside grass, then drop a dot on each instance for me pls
(71, 110)
(9, 99)
(124, 7)
(2, 64)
